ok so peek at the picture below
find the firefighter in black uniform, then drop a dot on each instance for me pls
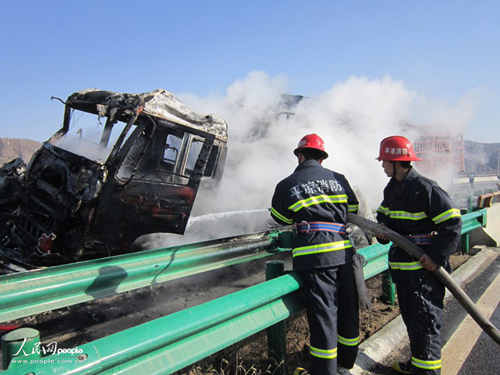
(416, 207)
(318, 200)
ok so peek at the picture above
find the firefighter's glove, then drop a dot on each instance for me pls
(358, 261)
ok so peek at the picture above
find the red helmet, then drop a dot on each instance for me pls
(311, 141)
(397, 148)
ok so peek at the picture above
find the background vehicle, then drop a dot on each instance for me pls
(81, 199)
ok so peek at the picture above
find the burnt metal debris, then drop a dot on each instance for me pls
(77, 200)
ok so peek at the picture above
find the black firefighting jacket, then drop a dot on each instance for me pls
(316, 194)
(417, 207)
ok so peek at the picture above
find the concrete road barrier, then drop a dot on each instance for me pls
(494, 220)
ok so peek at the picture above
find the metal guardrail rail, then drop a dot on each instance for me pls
(170, 343)
(33, 292)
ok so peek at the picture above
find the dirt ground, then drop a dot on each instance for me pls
(251, 358)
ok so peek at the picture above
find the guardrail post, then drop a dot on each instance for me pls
(465, 243)
(22, 344)
(389, 289)
(483, 219)
(276, 334)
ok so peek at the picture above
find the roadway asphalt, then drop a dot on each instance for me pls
(467, 350)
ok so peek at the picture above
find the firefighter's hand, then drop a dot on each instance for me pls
(428, 263)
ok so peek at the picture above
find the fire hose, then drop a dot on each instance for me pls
(440, 273)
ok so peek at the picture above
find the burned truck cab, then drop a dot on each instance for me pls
(121, 166)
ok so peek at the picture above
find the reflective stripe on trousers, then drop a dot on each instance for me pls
(420, 297)
(328, 293)
(348, 341)
(323, 353)
(426, 365)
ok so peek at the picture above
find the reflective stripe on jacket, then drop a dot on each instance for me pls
(316, 194)
(417, 205)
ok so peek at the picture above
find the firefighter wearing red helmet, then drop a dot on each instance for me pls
(416, 207)
(312, 142)
(317, 201)
(397, 148)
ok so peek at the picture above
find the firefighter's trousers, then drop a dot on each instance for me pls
(332, 310)
(420, 297)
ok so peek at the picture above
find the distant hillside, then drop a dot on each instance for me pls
(481, 158)
(11, 148)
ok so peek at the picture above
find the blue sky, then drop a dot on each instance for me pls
(444, 52)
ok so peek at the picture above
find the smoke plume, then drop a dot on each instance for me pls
(352, 117)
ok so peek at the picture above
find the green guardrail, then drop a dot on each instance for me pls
(27, 293)
(471, 221)
(167, 344)
(170, 343)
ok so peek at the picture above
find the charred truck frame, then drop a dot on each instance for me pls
(78, 207)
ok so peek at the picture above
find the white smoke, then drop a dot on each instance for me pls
(352, 117)
(444, 117)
